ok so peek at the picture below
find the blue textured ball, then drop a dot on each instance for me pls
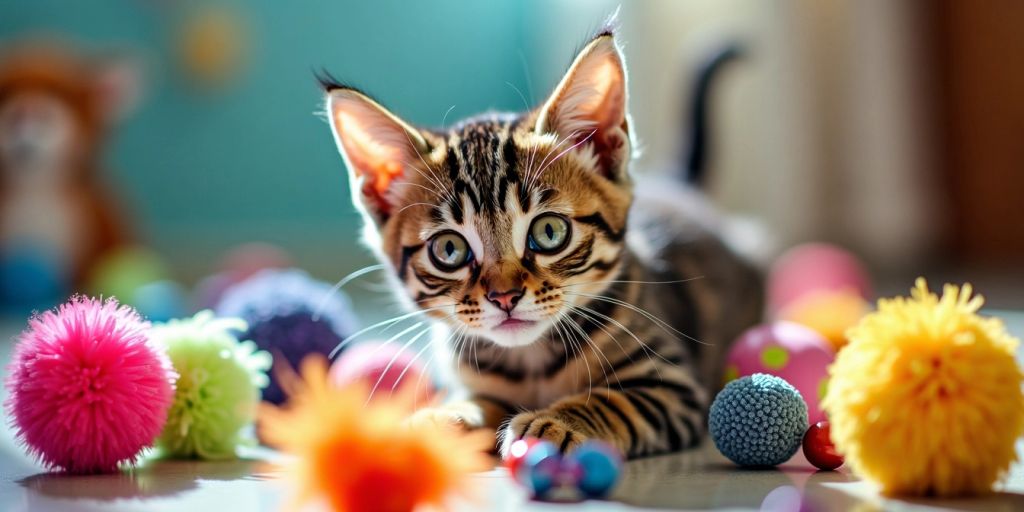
(600, 466)
(291, 315)
(758, 420)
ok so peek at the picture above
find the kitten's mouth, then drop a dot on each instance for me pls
(514, 324)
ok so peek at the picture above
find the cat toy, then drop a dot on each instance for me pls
(819, 449)
(788, 350)
(353, 454)
(290, 315)
(926, 398)
(88, 390)
(758, 420)
(593, 468)
(139, 276)
(820, 286)
(219, 388)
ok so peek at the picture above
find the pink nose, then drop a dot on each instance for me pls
(505, 300)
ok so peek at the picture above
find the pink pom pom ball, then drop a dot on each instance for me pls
(812, 268)
(87, 389)
(385, 367)
(787, 350)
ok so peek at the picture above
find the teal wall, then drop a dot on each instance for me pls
(203, 171)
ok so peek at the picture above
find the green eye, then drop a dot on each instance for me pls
(449, 251)
(548, 234)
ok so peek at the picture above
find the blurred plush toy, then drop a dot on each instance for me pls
(56, 109)
(926, 399)
(354, 455)
(212, 45)
(788, 350)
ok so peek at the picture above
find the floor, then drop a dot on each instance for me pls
(696, 480)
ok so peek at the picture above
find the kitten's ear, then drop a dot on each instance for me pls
(377, 147)
(589, 105)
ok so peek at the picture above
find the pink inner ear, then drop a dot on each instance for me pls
(609, 148)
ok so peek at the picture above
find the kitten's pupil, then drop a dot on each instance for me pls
(549, 231)
(449, 248)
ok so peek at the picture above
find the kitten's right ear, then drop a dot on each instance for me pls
(378, 148)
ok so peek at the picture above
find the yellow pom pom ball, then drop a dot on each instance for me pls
(926, 398)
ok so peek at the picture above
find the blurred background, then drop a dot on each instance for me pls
(892, 129)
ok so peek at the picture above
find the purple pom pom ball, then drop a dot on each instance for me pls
(291, 315)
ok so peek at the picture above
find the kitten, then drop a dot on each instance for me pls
(573, 307)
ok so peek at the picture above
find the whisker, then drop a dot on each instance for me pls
(566, 150)
(646, 314)
(437, 188)
(520, 93)
(647, 349)
(392, 361)
(389, 322)
(445, 117)
(597, 349)
(562, 337)
(337, 286)
(534, 174)
(433, 173)
(677, 281)
(406, 207)
(590, 376)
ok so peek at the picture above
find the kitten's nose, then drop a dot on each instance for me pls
(505, 300)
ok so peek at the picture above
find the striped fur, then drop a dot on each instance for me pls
(620, 331)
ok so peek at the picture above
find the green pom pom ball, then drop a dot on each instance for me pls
(219, 388)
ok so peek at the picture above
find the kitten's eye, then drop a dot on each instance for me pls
(449, 251)
(548, 233)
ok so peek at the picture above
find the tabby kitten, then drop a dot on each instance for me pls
(569, 310)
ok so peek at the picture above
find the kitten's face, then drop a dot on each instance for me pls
(502, 225)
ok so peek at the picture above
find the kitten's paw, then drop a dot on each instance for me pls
(543, 425)
(461, 415)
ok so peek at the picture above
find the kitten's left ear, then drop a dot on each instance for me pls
(589, 105)
(378, 149)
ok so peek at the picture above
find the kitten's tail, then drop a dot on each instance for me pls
(696, 156)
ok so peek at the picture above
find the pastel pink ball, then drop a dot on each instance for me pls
(87, 388)
(791, 351)
(383, 368)
(815, 267)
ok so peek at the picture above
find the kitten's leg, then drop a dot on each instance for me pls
(644, 416)
(477, 411)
